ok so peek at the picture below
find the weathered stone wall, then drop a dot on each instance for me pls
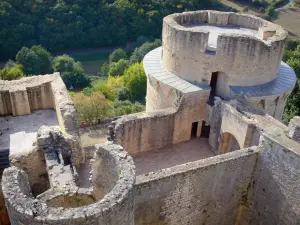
(5, 103)
(144, 131)
(147, 131)
(277, 179)
(64, 106)
(159, 95)
(245, 60)
(21, 97)
(211, 191)
(4, 219)
(116, 207)
(33, 162)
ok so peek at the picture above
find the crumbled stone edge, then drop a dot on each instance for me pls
(64, 106)
(20, 201)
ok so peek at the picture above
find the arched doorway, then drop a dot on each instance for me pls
(228, 143)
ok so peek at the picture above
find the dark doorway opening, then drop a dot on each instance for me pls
(205, 129)
(213, 82)
(194, 130)
(213, 85)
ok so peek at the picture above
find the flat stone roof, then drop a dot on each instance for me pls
(18, 134)
(285, 80)
(216, 30)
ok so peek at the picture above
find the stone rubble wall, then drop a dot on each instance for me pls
(116, 207)
(243, 59)
(216, 190)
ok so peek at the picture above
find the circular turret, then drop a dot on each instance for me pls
(245, 49)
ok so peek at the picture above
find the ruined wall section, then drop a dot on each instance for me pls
(198, 192)
(245, 60)
(116, 206)
(21, 97)
(64, 106)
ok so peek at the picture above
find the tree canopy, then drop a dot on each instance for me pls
(292, 55)
(71, 71)
(35, 60)
(59, 25)
(135, 81)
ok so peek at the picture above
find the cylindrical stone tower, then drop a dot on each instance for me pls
(234, 54)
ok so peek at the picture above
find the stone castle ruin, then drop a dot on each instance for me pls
(209, 149)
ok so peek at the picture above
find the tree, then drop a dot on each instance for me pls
(35, 61)
(139, 53)
(105, 69)
(116, 55)
(292, 107)
(135, 81)
(12, 73)
(91, 108)
(71, 71)
(118, 68)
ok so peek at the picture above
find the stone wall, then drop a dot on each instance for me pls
(64, 106)
(243, 59)
(147, 131)
(277, 179)
(116, 207)
(212, 191)
(21, 97)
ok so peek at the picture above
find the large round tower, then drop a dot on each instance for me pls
(233, 54)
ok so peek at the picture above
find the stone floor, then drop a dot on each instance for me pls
(19, 133)
(193, 150)
(215, 31)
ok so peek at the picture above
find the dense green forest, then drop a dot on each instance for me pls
(60, 25)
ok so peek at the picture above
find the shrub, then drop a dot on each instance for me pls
(101, 86)
(92, 108)
(71, 71)
(12, 73)
(139, 53)
(118, 68)
(116, 55)
(246, 9)
(135, 81)
(123, 94)
(127, 107)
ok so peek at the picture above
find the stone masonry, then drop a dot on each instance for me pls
(218, 77)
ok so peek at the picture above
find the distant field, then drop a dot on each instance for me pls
(91, 61)
(290, 19)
